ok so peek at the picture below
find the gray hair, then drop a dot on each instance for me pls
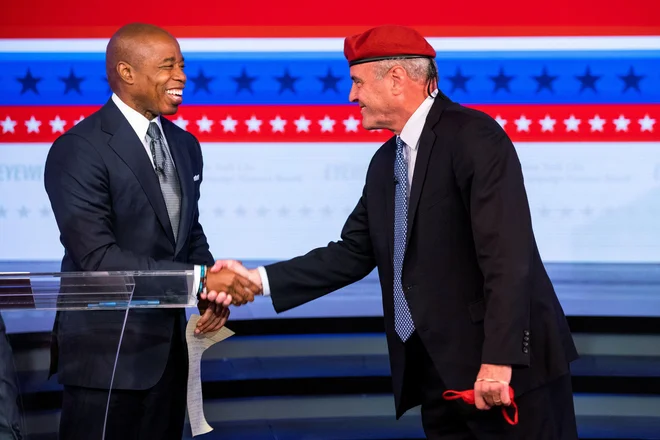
(418, 69)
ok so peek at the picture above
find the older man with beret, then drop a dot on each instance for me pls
(444, 216)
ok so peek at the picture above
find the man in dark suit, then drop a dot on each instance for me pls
(124, 185)
(444, 217)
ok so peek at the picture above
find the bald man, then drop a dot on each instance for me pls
(124, 186)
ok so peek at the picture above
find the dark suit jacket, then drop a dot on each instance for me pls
(475, 283)
(111, 215)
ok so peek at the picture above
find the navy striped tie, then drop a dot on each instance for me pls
(403, 322)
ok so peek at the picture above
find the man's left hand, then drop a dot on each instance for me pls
(214, 316)
(492, 386)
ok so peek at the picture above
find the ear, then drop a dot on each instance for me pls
(126, 72)
(398, 76)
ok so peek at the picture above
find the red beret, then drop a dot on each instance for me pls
(385, 42)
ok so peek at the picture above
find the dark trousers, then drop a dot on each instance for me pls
(545, 413)
(154, 414)
(9, 413)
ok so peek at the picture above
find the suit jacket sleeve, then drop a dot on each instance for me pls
(199, 248)
(490, 177)
(77, 183)
(326, 269)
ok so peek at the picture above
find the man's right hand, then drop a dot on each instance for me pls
(229, 282)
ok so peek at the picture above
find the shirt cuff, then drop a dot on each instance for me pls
(194, 290)
(264, 280)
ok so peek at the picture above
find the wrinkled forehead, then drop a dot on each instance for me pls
(362, 72)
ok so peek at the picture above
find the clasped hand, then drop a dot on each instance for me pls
(229, 282)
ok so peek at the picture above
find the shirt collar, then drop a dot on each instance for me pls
(412, 131)
(139, 123)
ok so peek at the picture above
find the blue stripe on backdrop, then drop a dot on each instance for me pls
(322, 78)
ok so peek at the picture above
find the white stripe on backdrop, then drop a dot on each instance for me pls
(448, 44)
(590, 202)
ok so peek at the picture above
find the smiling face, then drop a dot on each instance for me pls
(377, 103)
(387, 93)
(155, 79)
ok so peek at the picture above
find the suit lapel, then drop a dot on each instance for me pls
(129, 147)
(183, 169)
(426, 142)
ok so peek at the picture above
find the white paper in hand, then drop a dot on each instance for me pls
(197, 344)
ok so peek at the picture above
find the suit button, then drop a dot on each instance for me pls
(526, 338)
(525, 344)
(526, 332)
(525, 350)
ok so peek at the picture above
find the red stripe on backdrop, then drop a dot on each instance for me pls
(542, 123)
(190, 31)
(302, 18)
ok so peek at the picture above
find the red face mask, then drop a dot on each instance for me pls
(468, 397)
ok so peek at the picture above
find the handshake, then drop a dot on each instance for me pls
(229, 282)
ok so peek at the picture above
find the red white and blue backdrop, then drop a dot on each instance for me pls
(576, 85)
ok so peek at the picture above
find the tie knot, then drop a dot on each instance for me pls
(153, 131)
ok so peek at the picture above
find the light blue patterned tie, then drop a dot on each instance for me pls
(167, 176)
(403, 322)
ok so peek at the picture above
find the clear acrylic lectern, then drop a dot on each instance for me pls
(110, 331)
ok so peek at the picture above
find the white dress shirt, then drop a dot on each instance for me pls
(410, 134)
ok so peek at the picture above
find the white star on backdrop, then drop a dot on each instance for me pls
(572, 123)
(547, 123)
(621, 123)
(57, 124)
(597, 123)
(351, 124)
(500, 121)
(8, 125)
(646, 124)
(278, 124)
(253, 124)
(204, 124)
(327, 124)
(302, 124)
(229, 124)
(181, 123)
(32, 125)
(522, 123)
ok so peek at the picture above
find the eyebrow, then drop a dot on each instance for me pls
(170, 60)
